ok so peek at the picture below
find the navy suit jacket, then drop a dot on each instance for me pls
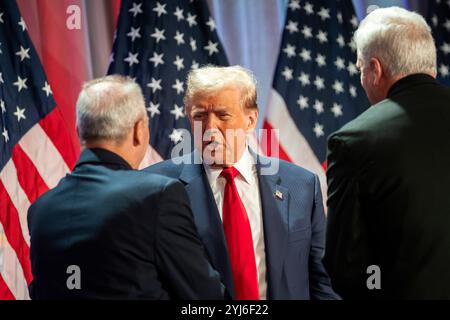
(294, 226)
(131, 234)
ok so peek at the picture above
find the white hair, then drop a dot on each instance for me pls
(399, 38)
(108, 107)
(211, 79)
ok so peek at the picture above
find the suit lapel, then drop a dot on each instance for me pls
(274, 201)
(207, 220)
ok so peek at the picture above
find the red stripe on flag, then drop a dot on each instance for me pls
(270, 140)
(9, 217)
(29, 178)
(5, 293)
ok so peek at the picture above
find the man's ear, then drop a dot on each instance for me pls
(139, 132)
(377, 71)
(252, 119)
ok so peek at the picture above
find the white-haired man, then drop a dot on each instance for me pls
(263, 233)
(388, 180)
(108, 231)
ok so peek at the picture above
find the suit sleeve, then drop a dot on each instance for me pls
(346, 255)
(319, 283)
(180, 256)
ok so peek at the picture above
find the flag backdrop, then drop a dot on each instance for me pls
(439, 20)
(316, 87)
(157, 43)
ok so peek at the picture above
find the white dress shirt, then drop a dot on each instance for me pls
(248, 188)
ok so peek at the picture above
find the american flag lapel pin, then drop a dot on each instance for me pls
(279, 194)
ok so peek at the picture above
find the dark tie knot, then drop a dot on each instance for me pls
(229, 173)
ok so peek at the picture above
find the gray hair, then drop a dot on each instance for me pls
(108, 107)
(399, 38)
(210, 79)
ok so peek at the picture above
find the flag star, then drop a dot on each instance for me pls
(193, 44)
(23, 53)
(136, 9)
(191, 20)
(287, 73)
(155, 85)
(22, 24)
(443, 70)
(177, 112)
(318, 106)
(320, 59)
(153, 109)
(340, 40)
(319, 83)
(111, 58)
(158, 35)
(307, 32)
(448, 3)
(324, 13)
(305, 55)
(339, 63)
(338, 87)
(1, 78)
(132, 59)
(337, 110)
(160, 9)
(2, 106)
(1, 17)
(304, 79)
(445, 48)
(292, 27)
(339, 16)
(195, 65)
(302, 102)
(352, 45)
(308, 8)
(1, 48)
(176, 136)
(435, 20)
(5, 134)
(322, 36)
(46, 88)
(294, 5)
(447, 24)
(20, 83)
(134, 33)
(157, 59)
(352, 91)
(179, 37)
(179, 14)
(212, 47)
(352, 69)
(211, 24)
(289, 50)
(179, 63)
(178, 86)
(354, 22)
(20, 113)
(318, 130)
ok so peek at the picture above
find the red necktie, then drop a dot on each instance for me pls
(239, 240)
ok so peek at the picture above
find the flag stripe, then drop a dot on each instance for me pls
(44, 155)
(9, 218)
(5, 293)
(28, 177)
(15, 197)
(12, 273)
(271, 141)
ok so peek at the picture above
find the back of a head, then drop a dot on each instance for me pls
(400, 39)
(108, 108)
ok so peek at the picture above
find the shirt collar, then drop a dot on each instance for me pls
(245, 166)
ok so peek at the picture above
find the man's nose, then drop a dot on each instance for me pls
(211, 122)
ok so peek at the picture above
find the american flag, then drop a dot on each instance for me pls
(30, 161)
(157, 43)
(316, 87)
(439, 20)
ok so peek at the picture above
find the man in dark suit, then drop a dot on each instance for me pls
(108, 231)
(260, 219)
(388, 180)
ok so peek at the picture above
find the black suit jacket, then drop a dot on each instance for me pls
(389, 196)
(131, 234)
